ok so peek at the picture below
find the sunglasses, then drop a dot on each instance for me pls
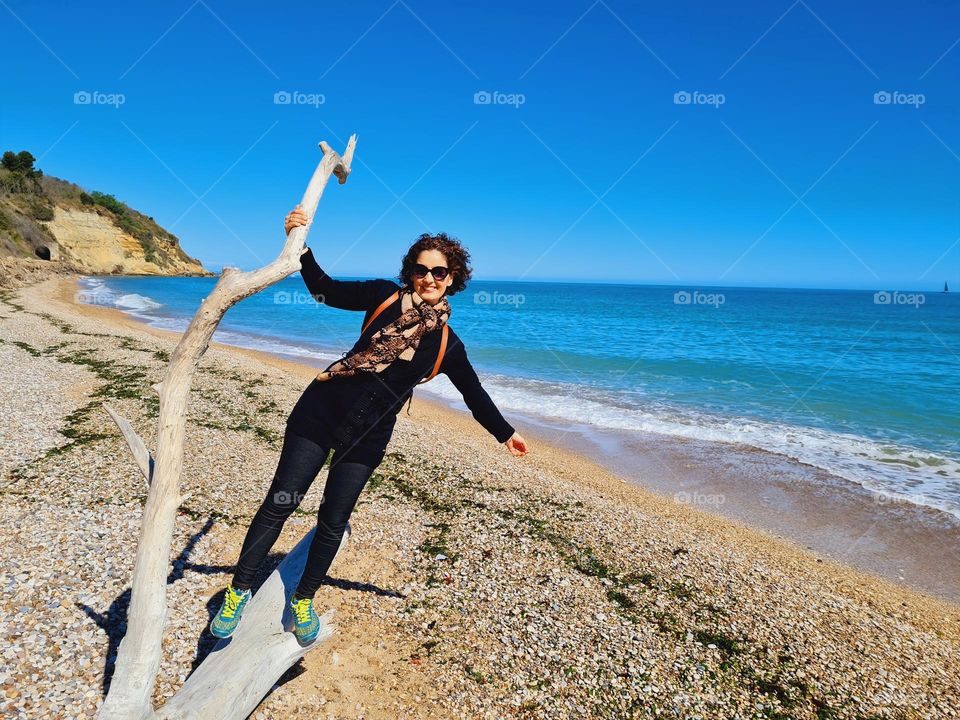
(439, 272)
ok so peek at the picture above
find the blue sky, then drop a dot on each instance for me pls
(783, 169)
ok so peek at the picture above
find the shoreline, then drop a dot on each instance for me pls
(473, 581)
(783, 498)
(763, 491)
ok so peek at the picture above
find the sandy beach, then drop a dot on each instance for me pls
(475, 585)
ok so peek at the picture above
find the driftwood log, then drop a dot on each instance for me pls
(260, 651)
(241, 670)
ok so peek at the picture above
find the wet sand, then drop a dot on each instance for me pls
(909, 544)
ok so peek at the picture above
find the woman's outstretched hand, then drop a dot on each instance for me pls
(516, 445)
(295, 218)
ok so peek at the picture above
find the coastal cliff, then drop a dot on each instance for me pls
(49, 224)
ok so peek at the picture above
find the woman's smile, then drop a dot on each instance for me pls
(428, 287)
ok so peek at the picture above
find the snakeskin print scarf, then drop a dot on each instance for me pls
(398, 339)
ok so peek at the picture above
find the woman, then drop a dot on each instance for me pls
(351, 408)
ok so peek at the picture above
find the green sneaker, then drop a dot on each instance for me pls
(226, 621)
(306, 624)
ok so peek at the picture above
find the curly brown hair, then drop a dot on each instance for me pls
(458, 260)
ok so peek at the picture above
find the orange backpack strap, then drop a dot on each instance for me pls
(383, 306)
(443, 348)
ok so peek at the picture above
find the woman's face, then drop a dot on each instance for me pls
(427, 287)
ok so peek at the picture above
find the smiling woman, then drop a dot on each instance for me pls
(351, 408)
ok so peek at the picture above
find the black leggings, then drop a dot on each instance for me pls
(300, 462)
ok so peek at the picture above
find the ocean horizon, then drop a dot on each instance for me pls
(934, 287)
(860, 384)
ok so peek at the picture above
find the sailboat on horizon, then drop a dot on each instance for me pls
(945, 288)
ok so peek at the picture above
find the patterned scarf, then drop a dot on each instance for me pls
(398, 339)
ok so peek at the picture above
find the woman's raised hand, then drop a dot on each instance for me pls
(516, 444)
(295, 218)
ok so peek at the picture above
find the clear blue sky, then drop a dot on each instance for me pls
(693, 193)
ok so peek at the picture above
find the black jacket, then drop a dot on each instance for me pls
(356, 414)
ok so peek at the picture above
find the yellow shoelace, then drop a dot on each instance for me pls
(232, 601)
(302, 610)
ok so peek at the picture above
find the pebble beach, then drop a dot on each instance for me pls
(475, 584)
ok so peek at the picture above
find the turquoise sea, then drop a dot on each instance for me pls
(862, 384)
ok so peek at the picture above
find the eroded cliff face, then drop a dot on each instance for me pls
(46, 218)
(90, 242)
